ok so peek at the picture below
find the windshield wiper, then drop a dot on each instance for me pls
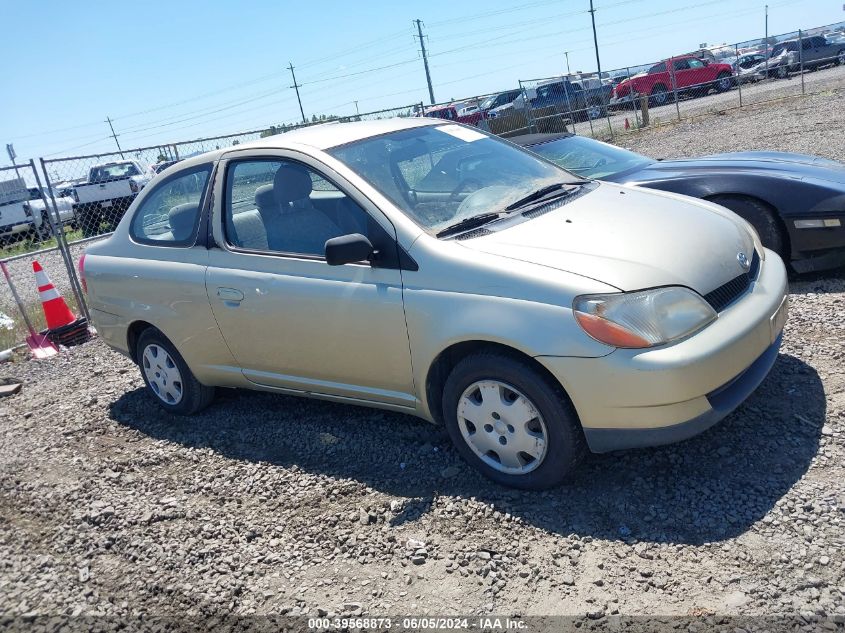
(542, 192)
(471, 222)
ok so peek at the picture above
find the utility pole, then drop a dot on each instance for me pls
(12, 156)
(595, 37)
(108, 120)
(425, 61)
(767, 41)
(296, 86)
(568, 72)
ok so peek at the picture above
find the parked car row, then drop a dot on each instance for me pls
(23, 212)
(696, 74)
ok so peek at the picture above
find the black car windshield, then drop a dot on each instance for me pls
(588, 158)
(439, 175)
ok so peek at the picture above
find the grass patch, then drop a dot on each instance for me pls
(31, 243)
(17, 333)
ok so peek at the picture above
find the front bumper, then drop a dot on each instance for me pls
(818, 248)
(633, 398)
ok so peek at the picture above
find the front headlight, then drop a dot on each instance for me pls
(644, 318)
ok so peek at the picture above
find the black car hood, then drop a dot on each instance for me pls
(776, 164)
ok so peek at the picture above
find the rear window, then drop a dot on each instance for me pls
(169, 214)
(113, 172)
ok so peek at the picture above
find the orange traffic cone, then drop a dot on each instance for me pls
(55, 309)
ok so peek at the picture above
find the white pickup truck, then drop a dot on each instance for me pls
(108, 192)
(23, 212)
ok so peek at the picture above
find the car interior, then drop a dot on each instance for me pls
(287, 214)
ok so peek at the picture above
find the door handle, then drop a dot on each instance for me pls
(232, 295)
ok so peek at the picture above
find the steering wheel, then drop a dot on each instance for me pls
(464, 184)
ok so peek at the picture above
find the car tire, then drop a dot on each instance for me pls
(44, 231)
(840, 57)
(723, 82)
(761, 217)
(782, 72)
(168, 377)
(519, 391)
(659, 96)
(89, 219)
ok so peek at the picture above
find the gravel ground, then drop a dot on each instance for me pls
(268, 504)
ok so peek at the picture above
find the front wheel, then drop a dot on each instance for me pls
(659, 96)
(511, 422)
(168, 377)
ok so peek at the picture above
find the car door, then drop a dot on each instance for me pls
(292, 321)
(681, 77)
(819, 51)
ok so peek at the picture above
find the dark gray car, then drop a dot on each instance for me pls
(796, 202)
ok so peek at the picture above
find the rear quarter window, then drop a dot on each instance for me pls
(169, 215)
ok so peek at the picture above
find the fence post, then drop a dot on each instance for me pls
(801, 58)
(633, 97)
(529, 115)
(738, 80)
(62, 244)
(674, 78)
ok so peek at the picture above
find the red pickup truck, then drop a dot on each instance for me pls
(687, 73)
(454, 112)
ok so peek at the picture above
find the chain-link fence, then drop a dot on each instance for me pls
(33, 221)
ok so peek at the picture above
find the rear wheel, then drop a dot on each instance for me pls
(44, 231)
(168, 377)
(659, 96)
(782, 72)
(762, 217)
(511, 422)
(89, 219)
(723, 82)
(840, 58)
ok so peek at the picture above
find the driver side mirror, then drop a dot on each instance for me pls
(348, 249)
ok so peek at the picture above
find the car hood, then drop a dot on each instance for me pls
(631, 239)
(776, 164)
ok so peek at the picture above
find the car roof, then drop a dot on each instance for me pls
(528, 140)
(321, 136)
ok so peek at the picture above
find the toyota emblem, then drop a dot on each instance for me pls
(743, 260)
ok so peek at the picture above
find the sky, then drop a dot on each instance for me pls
(184, 69)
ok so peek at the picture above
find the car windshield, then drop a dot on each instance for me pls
(488, 103)
(439, 175)
(588, 158)
(110, 172)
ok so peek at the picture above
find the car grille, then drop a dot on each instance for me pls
(726, 294)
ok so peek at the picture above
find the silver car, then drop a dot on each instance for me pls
(433, 269)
